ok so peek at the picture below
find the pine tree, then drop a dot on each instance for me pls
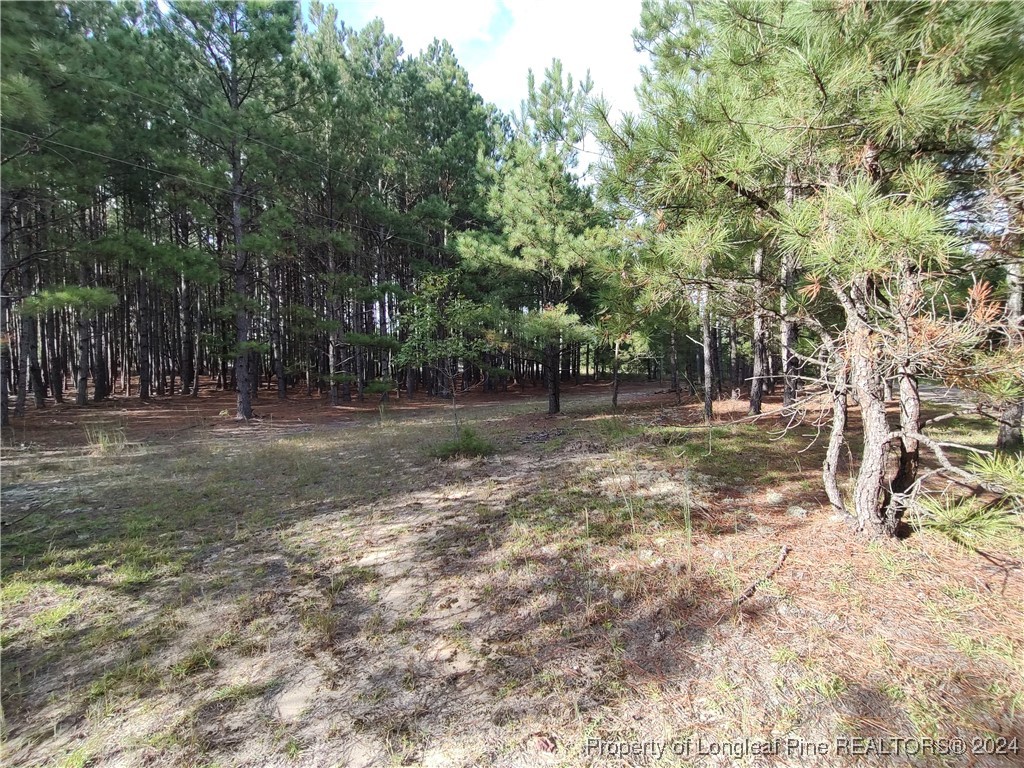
(231, 62)
(827, 133)
(544, 218)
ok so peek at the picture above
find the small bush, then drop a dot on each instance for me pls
(467, 445)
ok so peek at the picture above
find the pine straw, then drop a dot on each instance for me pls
(482, 612)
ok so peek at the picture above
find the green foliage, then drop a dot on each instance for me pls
(441, 324)
(555, 324)
(467, 445)
(372, 340)
(379, 386)
(970, 523)
(85, 299)
(1003, 470)
(856, 229)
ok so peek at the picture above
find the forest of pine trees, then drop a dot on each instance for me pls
(823, 200)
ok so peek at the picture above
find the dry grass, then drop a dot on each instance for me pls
(315, 595)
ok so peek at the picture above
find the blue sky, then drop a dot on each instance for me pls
(497, 41)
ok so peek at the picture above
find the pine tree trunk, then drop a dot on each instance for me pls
(276, 341)
(615, 377)
(787, 328)
(833, 453)
(361, 372)
(24, 322)
(35, 371)
(705, 323)
(243, 386)
(551, 377)
(5, 362)
(142, 327)
(54, 359)
(871, 495)
(716, 359)
(909, 448)
(84, 343)
(734, 362)
(188, 348)
(99, 362)
(1010, 437)
(759, 341)
(5, 338)
(674, 358)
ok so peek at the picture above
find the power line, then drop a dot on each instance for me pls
(211, 186)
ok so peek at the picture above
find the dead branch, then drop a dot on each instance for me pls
(952, 415)
(937, 449)
(749, 591)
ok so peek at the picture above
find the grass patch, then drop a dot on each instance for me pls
(199, 660)
(243, 691)
(136, 677)
(49, 622)
(467, 445)
(587, 581)
(105, 441)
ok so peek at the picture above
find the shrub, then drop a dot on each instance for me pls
(467, 444)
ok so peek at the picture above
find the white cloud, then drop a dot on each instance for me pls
(498, 41)
(583, 35)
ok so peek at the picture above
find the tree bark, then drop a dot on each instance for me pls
(82, 388)
(788, 328)
(871, 494)
(5, 365)
(760, 340)
(551, 377)
(615, 377)
(54, 359)
(910, 424)
(276, 336)
(142, 325)
(243, 320)
(24, 322)
(100, 387)
(1011, 437)
(674, 356)
(35, 371)
(709, 382)
(830, 467)
(188, 349)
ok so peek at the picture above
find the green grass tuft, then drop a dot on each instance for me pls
(197, 661)
(468, 445)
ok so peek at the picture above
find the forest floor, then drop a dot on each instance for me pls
(314, 589)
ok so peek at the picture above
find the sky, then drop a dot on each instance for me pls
(498, 41)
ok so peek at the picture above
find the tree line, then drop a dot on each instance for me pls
(822, 196)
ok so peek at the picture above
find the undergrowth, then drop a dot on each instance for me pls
(468, 445)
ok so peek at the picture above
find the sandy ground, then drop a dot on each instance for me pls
(314, 589)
